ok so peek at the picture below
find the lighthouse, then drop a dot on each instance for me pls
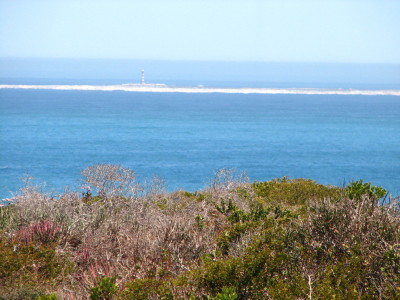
(142, 78)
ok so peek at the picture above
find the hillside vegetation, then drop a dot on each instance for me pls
(280, 239)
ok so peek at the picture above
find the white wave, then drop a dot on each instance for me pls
(166, 89)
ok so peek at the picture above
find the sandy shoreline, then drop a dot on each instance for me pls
(167, 89)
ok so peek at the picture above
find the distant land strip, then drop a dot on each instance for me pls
(168, 89)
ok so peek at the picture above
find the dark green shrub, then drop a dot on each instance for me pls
(256, 213)
(354, 244)
(104, 289)
(253, 221)
(251, 275)
(89, 199)
(358, 189)
(343, 248)
(262, 264)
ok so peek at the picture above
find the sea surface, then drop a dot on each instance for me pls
(184, 138)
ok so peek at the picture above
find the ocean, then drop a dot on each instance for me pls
(184, 138)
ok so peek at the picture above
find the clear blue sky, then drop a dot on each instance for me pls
(360, 31)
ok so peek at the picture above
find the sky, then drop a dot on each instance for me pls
(352, 31)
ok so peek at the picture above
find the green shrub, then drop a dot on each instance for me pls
(256, 213)
(89, 199)
(255, 220)
(293, 191)
(252, 275)
(343, 248)
(47, 297)
(104, 289)
(358, 189)
(20, 292)
(227, 293)
(144, 289)
(8, 218)
(264, 261)
(30, 266)
(354, 244)
(199, 222)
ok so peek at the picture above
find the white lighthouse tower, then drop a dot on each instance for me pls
(142, 78)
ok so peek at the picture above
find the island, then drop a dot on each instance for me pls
(162, 88)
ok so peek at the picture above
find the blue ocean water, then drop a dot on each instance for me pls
(185, 138)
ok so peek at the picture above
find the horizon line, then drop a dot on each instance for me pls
(198, 60)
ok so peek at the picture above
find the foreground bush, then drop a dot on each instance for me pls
(281, 239)
(28, 268)
(340, 251)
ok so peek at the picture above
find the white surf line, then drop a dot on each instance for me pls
(167, 89)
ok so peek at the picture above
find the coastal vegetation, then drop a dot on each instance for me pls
(280, 239)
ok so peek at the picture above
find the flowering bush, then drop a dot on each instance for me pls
(43, 232)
